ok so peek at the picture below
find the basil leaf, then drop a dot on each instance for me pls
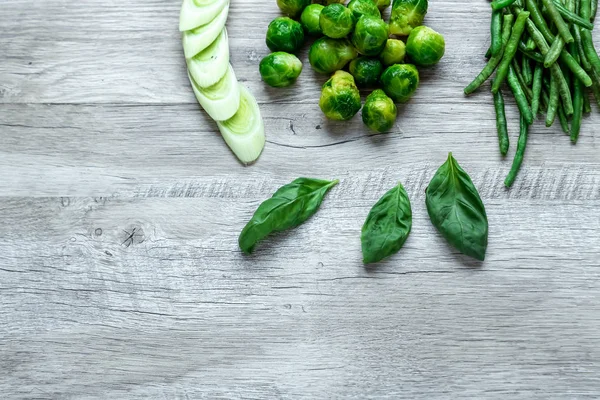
(290, 206)
(387, 226)
(456, 210)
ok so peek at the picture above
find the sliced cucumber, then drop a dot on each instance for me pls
(221, 100)
(198, 39)
(210, 65)
(195, 13)
(244, 133)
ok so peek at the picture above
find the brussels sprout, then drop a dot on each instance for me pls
(379, 112)
(293, 8)
(406, 15)
(363, 7)
(280, 69)
(425, 46)
(285, 34)
(328, 55)
(382, 4)
(340, 99)
(310, 19)
(400, 81)
(336, 21)
(393, 52)
(370, 35)
(366, 71)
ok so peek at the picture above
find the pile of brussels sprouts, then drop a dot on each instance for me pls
(355, 36)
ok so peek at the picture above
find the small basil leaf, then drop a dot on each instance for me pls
(456, 210)
(387, 226)
(290, 206)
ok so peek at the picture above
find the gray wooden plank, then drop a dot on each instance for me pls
(180, 311)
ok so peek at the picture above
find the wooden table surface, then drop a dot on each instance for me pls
(120, 208)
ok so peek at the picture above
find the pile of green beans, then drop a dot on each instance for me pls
(544, 52)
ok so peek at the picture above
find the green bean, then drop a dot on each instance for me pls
(501, 122)
(510, 50)
(564, 90)
(585, 9)
(537, 89)
(555, 50)
(553, 105)
(534, 55)
(594, 9)
(538, 19)
(518, 160)
(488, 70)
(577, 110)
(521, 78)
(587, 107)
(572, 17)
(584, 61)
(589, 50)
(526, 71)
(488, 53)
(496, 32)
(519, 94)
(561, 25)
(564, 122)
(500, 4)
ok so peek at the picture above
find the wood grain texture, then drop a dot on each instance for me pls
(120, 208)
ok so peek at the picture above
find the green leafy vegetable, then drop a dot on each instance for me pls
(456, 210)
(387, 227)
(289, 207)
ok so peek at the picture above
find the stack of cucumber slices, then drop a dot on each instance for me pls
(231, 105)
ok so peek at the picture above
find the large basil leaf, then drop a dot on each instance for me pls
(387, 226)
(290, 206)
(456, 210)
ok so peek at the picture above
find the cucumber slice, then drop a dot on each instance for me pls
(210, 65)
(198, 39)
(195, 13)
(244, 133)
(221, 100)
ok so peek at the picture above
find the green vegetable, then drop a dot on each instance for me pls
(456, 210)
(379, 112)
(328, 55)
(510, 50)
(280, 69)
(340, 99)
(578, 94)
(328, 2)
(211, 64)
(553, 103)
(493, 62)
(537, 89)
(572, 17)
(406, 15)
(520, 97)
(293, 8)
(363, 7)
(199, 38)
(285, 34)
(555, 51)
(425, 46)
(336, 21)
(496, 32)
(221, 100)
(244, 133)
(393, 52)
(197, 13)
(387, 226)
(370, 35)
(559, 22)
(310, 19)
(382, 4)
(526, 69)
(366, 71)
(400, 82)
(501, 122)
(500, 4)
(522, 143)
(289, 207)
